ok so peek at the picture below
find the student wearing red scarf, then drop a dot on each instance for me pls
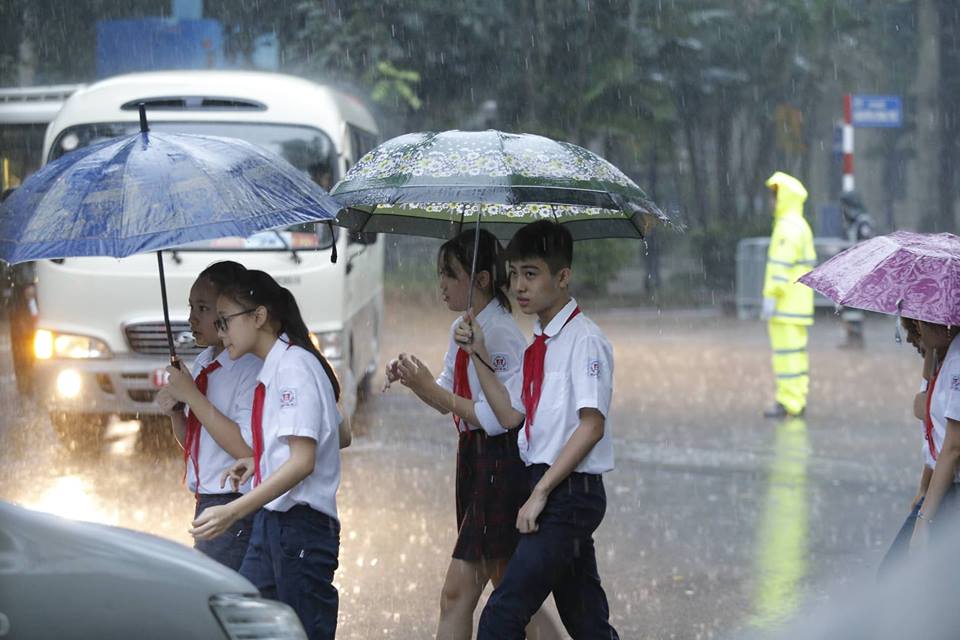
(490, 479)
(562, 398)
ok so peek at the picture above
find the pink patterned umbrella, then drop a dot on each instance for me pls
(914, 274)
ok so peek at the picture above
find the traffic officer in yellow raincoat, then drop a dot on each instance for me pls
(787, 305)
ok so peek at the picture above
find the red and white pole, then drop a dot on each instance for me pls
(847, 143)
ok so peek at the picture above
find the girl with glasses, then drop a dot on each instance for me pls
(295, 462)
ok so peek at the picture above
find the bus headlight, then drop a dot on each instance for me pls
(69, 383)
(329, 343)
(48, 344)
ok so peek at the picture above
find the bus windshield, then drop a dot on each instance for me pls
(306, 148)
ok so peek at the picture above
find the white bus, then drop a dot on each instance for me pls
(100, 346)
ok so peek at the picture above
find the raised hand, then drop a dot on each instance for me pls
(238, 474)
(392, 372)
(414, 374)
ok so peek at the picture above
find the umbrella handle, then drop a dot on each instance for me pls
(473, 265)
(166, 309)
(174, 360)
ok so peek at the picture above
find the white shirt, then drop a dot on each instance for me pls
(577, 374)
(945, 403)
(505, 345)
(299, 401)
(230, 390)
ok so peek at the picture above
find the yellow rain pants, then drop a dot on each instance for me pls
(791, 365)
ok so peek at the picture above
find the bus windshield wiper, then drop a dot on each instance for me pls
(286, 245)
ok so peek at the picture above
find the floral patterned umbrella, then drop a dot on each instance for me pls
(432, 184)
(913, 274)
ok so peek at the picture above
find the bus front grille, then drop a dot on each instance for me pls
(150, 338)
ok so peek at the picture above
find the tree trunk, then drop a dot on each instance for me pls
(925, 170)
(726, 201)
(949, 21)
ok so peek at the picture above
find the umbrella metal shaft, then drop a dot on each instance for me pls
(166, 309)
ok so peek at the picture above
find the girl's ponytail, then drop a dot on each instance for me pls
(296, 329)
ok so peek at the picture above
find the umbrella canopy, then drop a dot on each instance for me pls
(913, 274)
(153, 191)
(432, 184)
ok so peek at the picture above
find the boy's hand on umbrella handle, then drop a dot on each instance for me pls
(469, 336)
(392, 373)
(238, 474)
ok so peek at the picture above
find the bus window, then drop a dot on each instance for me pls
(361, 142)
(21, 152)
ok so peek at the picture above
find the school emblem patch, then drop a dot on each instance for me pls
(499, 362)
(288, 397)
(593, 369)
(955, 383)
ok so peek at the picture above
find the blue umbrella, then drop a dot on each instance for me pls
(155, 191)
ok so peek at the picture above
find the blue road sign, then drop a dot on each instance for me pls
(877, 111)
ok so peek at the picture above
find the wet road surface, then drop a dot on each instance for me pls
(717, 519)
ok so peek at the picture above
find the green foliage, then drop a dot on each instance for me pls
(716, 246)
(395, 83)
(681, 95)
(595, 262)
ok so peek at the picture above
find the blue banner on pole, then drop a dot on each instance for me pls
(877, 111)
(148, 44)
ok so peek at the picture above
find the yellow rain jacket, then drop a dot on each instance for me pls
(791, 253)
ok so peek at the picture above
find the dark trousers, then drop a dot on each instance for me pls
(559, 558)
(230, 547)
(292, 558)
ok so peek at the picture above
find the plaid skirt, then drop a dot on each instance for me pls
(491, 488)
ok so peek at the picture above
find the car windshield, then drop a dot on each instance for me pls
(306, 148)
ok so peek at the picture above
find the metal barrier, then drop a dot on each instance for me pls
(752, 264)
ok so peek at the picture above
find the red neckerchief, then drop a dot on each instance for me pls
(256, 427)
(533, 359)
(461, 384)
(191, 440)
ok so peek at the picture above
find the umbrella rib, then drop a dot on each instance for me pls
(101, 169)
(210, 179)
(118, 232)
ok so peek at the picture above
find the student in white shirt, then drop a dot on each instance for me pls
(294, 549)
(562, 399)
(943, 428)
(897, 552)
(214, 429)
(490, 477)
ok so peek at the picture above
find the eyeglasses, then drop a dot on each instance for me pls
(222, 323)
